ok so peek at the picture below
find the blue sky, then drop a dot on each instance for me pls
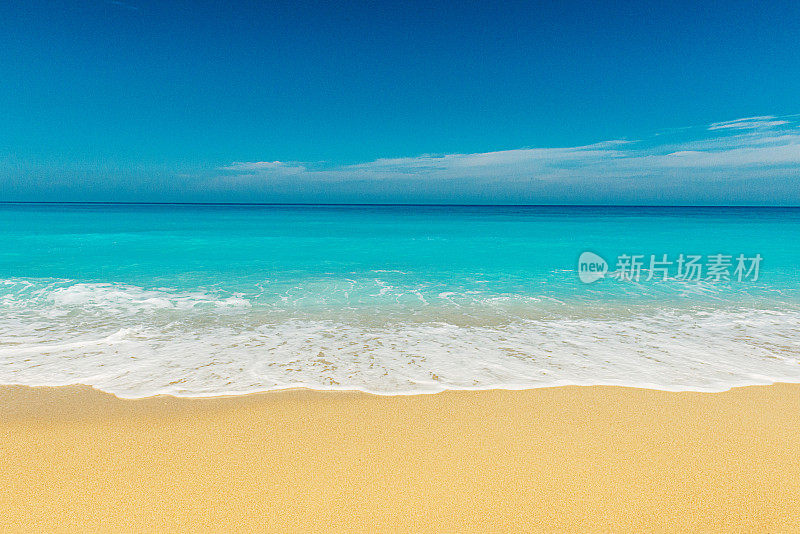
(475, 102)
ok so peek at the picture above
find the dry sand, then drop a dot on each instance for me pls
(572, 459)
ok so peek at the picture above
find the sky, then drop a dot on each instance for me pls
(453, 102)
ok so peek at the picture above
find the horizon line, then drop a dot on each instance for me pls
(397, 204)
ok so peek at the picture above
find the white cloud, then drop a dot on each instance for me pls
(665, 167)
(265, 166)
(763, 148)
(755, 160)
(748, 123)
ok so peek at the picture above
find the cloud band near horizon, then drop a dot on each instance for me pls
(753, 160)
(741, 161)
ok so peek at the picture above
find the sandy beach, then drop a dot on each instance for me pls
(594, 459)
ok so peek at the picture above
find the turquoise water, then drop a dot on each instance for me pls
(212, 299)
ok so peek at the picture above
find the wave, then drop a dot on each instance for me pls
(136, 342)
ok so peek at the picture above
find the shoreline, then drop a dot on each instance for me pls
(357, 391)
(585, 458)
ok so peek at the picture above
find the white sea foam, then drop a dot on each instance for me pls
(137, 342)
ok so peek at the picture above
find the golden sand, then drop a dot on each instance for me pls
(604, 459)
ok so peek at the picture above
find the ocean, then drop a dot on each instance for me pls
(199, 300)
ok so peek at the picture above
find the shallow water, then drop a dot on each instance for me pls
(208, 299)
